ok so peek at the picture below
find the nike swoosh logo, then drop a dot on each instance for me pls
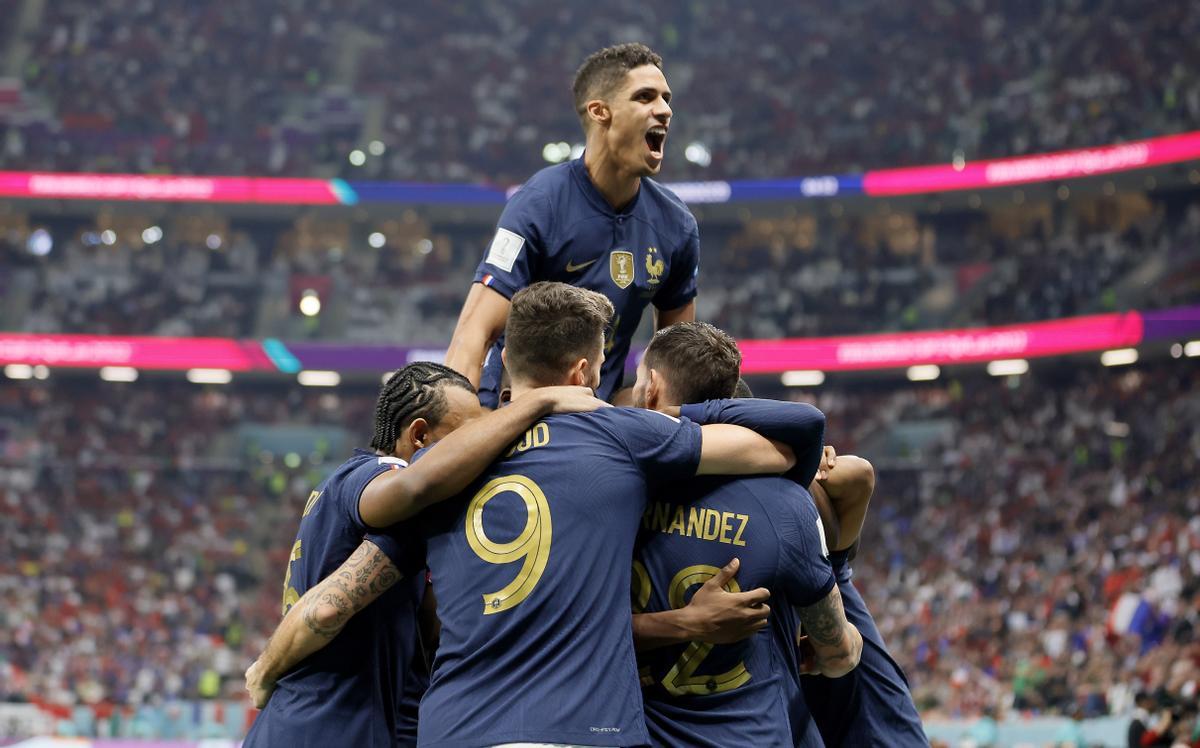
(572, 267)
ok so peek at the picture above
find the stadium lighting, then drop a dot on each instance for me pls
(376, 148)
(802, 378)
(1176, 350)
(18, 371)
(152, 235)
(1008, 367)
(118, 374)
(39, 243)
(577, 150)
(310, 303)
(556, 153)
(357, 157)
(425, 246)
(924, 373)
(209, 376)
(317, 378)
(376, 239)
(41, 371)
(1119, 357)
(108, 236)
(1192, 349)
(213, 241)
(698, 154)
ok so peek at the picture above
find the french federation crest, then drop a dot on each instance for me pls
(654, 264)
(620, 267)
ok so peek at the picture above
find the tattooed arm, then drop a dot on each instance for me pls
(835, 642)
(320, 615)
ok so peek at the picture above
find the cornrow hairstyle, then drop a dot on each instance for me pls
(411, 393)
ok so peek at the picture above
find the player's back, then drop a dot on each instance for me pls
(744, 693)
(346, 693)
(872, 704)
(531, 566)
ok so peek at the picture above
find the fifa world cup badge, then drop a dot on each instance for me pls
(620, 266)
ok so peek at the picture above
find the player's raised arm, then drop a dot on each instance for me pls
(845, 484)
(320, 615)
(799, 425)
(734, 450)
(836, 643)
(480, 324)
(451, 464)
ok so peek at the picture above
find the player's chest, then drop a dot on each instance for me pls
(625, 260)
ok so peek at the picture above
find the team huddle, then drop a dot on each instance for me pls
(560, 571)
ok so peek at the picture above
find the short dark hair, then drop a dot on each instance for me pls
(411, 393)
(604, 70)
(701, 361)
(550, 326)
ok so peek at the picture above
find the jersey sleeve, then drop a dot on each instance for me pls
(402, 545)
(664, 448)
(397, 542)
(680, 287)
(798, 425)
(804, 572)
(513, 259)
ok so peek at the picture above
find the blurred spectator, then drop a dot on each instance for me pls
(465, 92)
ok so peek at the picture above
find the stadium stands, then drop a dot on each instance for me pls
(472, 94)
(1045, 561)
(767, 277)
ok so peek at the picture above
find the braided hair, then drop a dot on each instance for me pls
(411, 393)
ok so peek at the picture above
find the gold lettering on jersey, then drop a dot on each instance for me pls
(697, 522)
(654, 264)
(620, 267)
(308, 505)
(537, 436)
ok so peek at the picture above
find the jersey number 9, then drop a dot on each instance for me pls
(531, 546)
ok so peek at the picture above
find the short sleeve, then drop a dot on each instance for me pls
(680, 287)
(403, 547)
(356, 482)
(804, 572)
(664, 448)
(514, 256)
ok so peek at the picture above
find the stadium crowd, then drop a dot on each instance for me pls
(1044, 558)
(768, 277)
(292, 88)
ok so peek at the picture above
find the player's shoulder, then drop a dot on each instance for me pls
(360, 468)
(669, 205)
(549, 180)
(618, 422)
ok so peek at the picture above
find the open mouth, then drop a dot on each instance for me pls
(655, 138)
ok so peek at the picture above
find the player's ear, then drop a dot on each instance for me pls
(654, 384)
(416, 436)
(579, 373)
(598, 112)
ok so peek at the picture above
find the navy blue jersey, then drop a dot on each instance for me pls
(872, 705)
(735, 694)
(531, 569)
(347, 693)
(559, 227)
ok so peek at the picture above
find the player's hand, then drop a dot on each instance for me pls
(567, 399)
(717, 616)
(259, 688)
(828, 462)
